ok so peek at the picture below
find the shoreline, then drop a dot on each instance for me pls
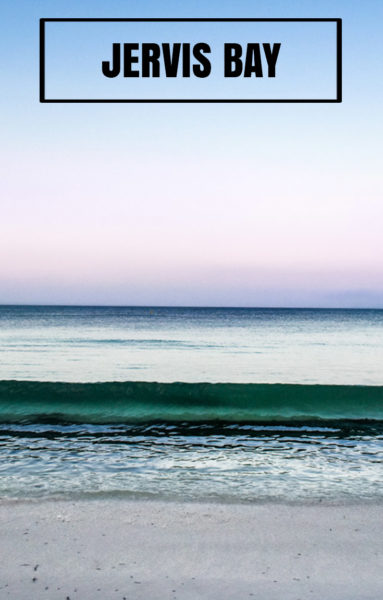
(157, 549)
(221, 500)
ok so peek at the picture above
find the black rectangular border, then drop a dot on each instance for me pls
(337, 99)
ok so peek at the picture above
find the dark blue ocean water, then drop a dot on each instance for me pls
(181, 344)
(321, 438)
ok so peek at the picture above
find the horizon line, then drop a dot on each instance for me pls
(195, 306)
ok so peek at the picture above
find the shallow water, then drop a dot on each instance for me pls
(245, 463)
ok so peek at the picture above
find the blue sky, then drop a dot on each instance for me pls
(272, 205)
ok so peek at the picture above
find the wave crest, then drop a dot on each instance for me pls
(150, 402)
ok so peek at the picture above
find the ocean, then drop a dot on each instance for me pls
(223, 404)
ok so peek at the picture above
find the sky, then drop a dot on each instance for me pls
(192, 204)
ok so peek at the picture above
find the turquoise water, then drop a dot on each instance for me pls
(231, 404)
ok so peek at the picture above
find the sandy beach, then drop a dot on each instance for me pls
(156, 550)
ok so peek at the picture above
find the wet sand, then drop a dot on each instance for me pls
(150, 550)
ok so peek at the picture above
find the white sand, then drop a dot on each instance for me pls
(155, 550)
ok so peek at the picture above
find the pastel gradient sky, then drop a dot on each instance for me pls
(222, 205)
